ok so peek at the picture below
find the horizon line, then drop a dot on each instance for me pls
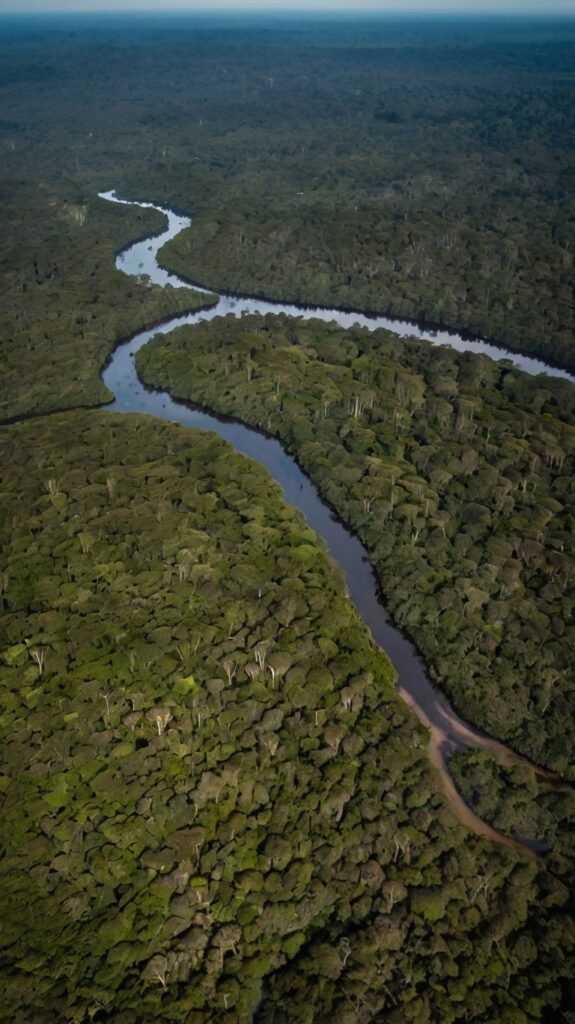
(352, 11)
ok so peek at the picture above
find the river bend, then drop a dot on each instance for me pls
(448, 732)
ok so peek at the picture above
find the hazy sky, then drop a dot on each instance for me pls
(397, 6)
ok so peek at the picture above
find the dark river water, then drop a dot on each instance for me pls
(448, 732)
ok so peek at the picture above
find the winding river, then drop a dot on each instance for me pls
(448, 732)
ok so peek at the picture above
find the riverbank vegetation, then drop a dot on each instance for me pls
(457, 473)
(207, 773)
(65, 306)
(519, 802)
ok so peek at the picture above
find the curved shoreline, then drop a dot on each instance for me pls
(462, 341)
(420, 329)
(448, 733)
(507, 756)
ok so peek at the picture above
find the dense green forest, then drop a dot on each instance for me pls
(517, 802)
(207, 773)
(212, 798)
(461, 491)
(418, 168)
(65, 306)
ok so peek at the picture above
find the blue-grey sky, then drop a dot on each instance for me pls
(270, 6)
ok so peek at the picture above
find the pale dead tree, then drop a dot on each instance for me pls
(111, 486)
(183, 651)
(367, 503)
(550, 679)
(136, 700)
(360, 1005)
(86, 542)
(252, 670)
(131, 719)
(483, 887)
(157, 970)
(397, 421)
(229, 668)
(106, 699)
(356, 406)
(162, 507)
(38, 654)
(231, 617)
(160, 718)
(344, 951)
(278, 664)
(227, 938)
(334, 734)
(231, 774)
(271, 744)
(347, 698)
(260, 653)
(440, 521)
(200, 898)
(326, 405)
(392, 893)
(183, 571)
(225, 996)
(402, 844)
(52, 486)
(202, 711)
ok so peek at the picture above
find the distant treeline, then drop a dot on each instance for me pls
(422, 170)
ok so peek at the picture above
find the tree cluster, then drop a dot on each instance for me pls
(457, 473)
(206, 772)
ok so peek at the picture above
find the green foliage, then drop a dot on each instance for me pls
(423, 173)
(176, 826)
(519, 803)
(65, 306)
(460, 491)
(183, 828)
